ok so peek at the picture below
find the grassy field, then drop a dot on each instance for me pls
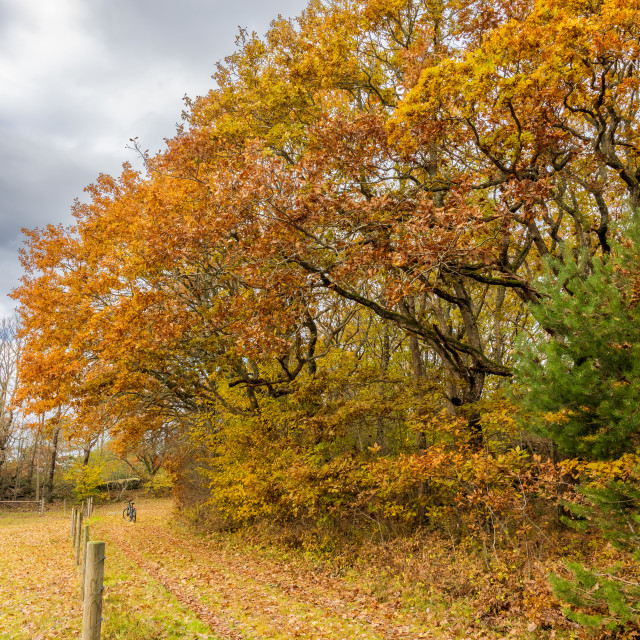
(163, 582)
(40, 586)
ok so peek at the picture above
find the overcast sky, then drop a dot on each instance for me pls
(79, 78)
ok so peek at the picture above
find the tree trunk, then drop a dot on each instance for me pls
(32, 462)
(384, 367)
(37, 472)
(2, 458)
(408, 306)
(22, 450)
(474, 379)
(418, 374)
(48, 493)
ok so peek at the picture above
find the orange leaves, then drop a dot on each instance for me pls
(600, 473)
(372, 174)
(528, 88)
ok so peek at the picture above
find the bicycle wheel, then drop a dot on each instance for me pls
(124, 513)
(133, 515)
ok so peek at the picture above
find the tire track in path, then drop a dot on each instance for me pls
(323, 592)
(241, 597)
(220, 626)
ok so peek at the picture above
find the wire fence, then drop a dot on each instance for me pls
(21, 505)
(60, 621)
(91, 571)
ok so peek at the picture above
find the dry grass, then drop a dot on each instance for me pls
(40, 588)
(164, 582)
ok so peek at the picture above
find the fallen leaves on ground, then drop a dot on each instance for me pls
(40, 589)
(242, 596)
(162, 582)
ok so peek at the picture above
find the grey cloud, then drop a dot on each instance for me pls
(11, 273)
(207, 28)
(109, 70)
(38, 181)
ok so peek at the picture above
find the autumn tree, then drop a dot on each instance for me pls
(360, 209)
(9, 354)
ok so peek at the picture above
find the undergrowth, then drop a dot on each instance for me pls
(469, 585)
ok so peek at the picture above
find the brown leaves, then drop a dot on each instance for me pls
(241, 593)
(38, 584)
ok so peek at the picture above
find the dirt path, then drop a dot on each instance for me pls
(40, 588)
(240, 595)
(164, 583)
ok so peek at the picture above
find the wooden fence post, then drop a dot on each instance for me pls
(84, 560)
(73, 525)
(41, 506)
(92, 605)
(79, 538)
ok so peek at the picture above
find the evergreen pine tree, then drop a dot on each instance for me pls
(580, 384)
(604, 597)
(581, 380)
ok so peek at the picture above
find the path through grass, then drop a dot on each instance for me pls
(163, 583)
(40, 588)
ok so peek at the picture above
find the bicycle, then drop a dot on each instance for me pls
(129, 512)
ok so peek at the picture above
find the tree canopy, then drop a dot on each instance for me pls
(336, 252)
